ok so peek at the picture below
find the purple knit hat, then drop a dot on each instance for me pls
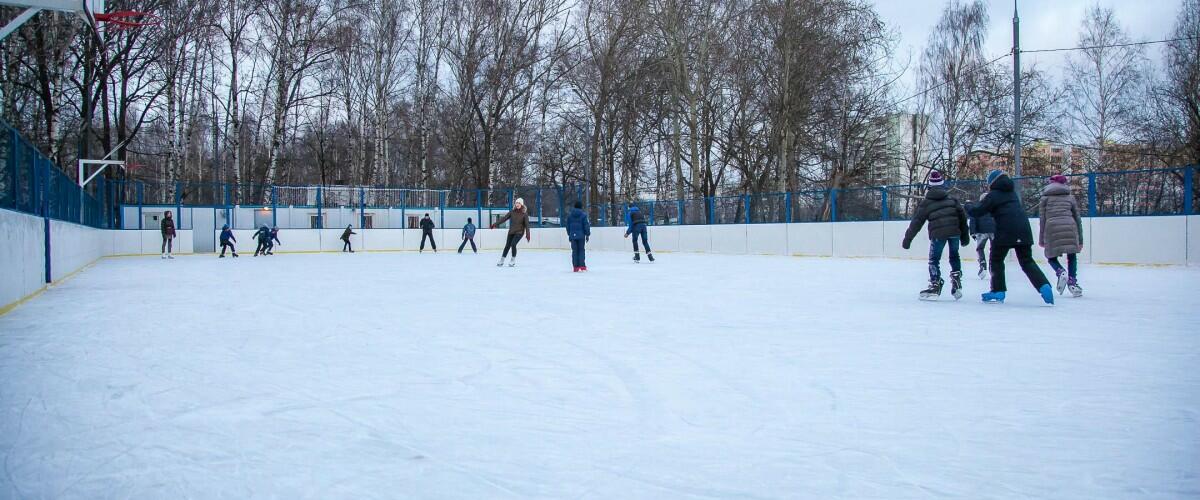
(936, 178)
(1058, 179)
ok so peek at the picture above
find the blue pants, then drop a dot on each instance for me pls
(935, 257)
(1072, 265)
(577, 253)
(640, 231)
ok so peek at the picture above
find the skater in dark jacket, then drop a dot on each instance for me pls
(1061, 232)
(273, 241)
(579, 231)
(168, 235)
(947, 225)
(636, 223)
(1012, 233)
(346, 247)
(427, 232)
(519, 226)
(263, 237)
(468, 235)
(227, 240)
(983, 229)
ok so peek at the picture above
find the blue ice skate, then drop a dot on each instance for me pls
(993, 298)
(1047, 293)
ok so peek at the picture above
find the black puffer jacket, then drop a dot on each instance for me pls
(981, 225)
(1001, 202)
(946, 217)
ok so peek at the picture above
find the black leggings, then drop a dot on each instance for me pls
(1024, 257)
(166, 246)
(346, 246)
(513, 239)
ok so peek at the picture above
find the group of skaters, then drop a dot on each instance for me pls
(578, 227)
(999, 218)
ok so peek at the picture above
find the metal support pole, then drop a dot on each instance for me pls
(602, 218)
(320, 215)
(479, 209)
(712, 210)
(1091, 194)
(15, 151)
(680, 220)
(404, 209)
(442, 209)
(746, 207)
(883, 204)
(178, 203)
(362, 208)
(541, 221)
(833, 205)
(1188, 186)
(141, 186)
(274, 207)
(787, 199)
(1016, 92)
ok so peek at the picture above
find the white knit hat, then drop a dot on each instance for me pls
(520, 201)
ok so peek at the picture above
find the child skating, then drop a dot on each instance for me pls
(579, 231)
(273, 241)
(346, 246)
(468, 236)
(263, 237)
(227, 240)
(983, 229)
(1061, 232)
(947, 226)
(168, 235)
(1012, 233)
(427, 232)
(519, 225)
(637, 227)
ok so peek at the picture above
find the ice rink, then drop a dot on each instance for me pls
(398, 375)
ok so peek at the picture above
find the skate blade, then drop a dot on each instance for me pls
(928, 298)
(957, 295)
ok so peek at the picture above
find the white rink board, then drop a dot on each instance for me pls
(22, 256)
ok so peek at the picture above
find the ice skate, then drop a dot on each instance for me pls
(1062, 282)
(583, 269)
(956, 284)
(933, 290)
(575, 269)
(1073, 286)
(983, 272)
(501, 263)
(512, 261)
(170, 257)
(1047, 294)
(650, 256)
(993, 298)
(164, 256)
(222, 256)
(637, 258)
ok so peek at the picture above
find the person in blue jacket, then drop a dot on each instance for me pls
(227, 240)
(263, 236)
(273, 241)
(579, 231)
(1012, 233)
(636, 223)
(468, 235)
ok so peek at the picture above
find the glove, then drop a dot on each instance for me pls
(626, 235)
(905, 244)
(966, 242)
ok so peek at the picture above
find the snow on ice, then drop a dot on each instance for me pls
(699, 376)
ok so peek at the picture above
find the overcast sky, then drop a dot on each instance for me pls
(1044, 24)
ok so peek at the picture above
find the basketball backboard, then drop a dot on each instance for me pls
(87, 9)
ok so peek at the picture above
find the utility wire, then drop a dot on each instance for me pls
(943, 84)
(1115, 45)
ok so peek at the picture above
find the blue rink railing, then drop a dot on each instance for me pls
(31, 183)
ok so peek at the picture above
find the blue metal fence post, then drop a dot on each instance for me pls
(141, 187)
(746, 207)
(1091, 194)
(562, 208)
(833, 205)
(602, 210)
(274, 207)
(712, 210)
(442, 209)
(320, 214)
(1188, 186)
(787, 199)
(883, 204)
(479, 209)
(538, 200)
(178, 201)
(403, 209)
(12, 163)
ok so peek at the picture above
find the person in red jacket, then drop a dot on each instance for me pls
(168, 235)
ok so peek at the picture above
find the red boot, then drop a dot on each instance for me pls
(576, 269)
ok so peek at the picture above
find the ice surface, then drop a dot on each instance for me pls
(442, 376)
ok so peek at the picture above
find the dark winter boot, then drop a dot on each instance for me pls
(956, 284)
(637, 257)
(933, 291)
(650, 256)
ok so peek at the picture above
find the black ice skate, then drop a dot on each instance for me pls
(956, 284)
(933, 291)
(650, 256)
(637, 258)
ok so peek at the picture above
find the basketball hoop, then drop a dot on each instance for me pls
(127, 19)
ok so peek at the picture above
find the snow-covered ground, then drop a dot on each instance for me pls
(442, 376)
